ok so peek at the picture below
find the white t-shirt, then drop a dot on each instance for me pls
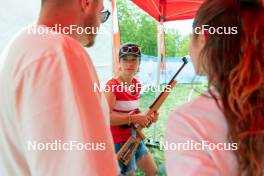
(52, 121)
(199, 123)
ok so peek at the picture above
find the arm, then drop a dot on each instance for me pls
(117, 119)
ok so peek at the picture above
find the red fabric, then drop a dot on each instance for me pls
(122, 134)
(124, 96)
(171, 9)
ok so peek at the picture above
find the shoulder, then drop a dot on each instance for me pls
(137, 85)
(29, 47)
(48, 54)
(59, 43)
(111, 86)
(49, 43)
(203, 105)
(52, 46)
(200, 121)
(45, 37)
(135, 81)
(112, 81)
(201, 116)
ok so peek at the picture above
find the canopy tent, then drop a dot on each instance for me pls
(164, 11)
(169, 10)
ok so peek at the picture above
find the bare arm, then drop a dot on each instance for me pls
(117, 119)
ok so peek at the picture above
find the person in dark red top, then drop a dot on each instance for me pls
(123, 94)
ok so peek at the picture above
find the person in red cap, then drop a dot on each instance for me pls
(123, 95)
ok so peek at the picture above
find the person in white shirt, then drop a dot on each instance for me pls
(221, 132)
(52, 121)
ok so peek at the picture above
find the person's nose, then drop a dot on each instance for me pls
(130, 64)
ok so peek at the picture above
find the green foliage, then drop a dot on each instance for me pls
(171, 41)
(183, 46)
(138, 27)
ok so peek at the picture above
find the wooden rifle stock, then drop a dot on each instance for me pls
(128, 149)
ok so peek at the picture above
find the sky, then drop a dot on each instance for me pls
(184, 27)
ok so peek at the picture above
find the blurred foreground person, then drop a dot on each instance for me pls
(222, 130)
(52, 122)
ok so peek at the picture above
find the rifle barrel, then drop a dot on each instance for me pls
(171, 81)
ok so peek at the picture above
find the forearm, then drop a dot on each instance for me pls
(117, 119)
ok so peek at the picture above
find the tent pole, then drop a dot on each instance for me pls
(153, 142)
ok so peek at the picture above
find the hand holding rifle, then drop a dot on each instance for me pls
(147, 118)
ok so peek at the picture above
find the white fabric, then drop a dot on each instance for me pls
(47, 96)
(127, 105)
(198, 121)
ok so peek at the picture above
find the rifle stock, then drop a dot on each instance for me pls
(127, 150)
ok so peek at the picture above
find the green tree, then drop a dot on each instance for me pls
(138, 27)
(171, 43)
(183, 47)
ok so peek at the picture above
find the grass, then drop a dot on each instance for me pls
(180, 95)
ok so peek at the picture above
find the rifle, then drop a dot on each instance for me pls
(128, 149)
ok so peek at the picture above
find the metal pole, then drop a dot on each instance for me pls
(153, 142)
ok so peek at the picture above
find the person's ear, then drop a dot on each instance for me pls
(202, 39)
(85, 5)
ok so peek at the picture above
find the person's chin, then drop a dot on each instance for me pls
(90, 42)
(130, 73)
(200, 73)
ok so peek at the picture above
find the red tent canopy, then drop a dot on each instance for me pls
(169, 10)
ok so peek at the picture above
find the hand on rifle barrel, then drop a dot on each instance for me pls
(153, 117)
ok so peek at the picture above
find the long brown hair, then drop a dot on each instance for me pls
(234, 65)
